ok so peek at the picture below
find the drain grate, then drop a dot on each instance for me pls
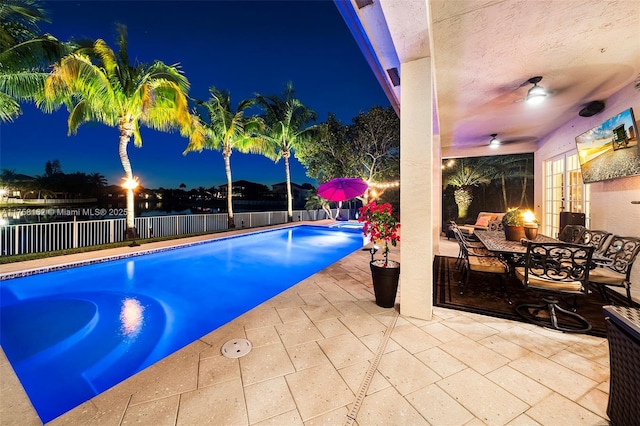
(236, 348)
(373, 367)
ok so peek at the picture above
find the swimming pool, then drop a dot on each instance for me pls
(73, 333)
(348, 225)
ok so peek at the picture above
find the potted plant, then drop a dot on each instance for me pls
(513, 224)
(382, 226)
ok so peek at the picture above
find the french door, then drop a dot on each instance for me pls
(563, 190)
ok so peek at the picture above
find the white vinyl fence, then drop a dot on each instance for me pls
(52, 236)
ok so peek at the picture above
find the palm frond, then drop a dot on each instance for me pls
(19, 21)
(9, 108)
(108, 60)
(77, 116)
(23, 85)
(123, 45)
(38, 52)
(77, 75)
(172, 73)
(137, 137)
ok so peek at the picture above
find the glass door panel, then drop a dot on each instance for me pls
(563, 191)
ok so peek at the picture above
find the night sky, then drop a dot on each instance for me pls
(245, 47)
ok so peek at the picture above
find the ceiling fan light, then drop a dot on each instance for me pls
(494, 142)
(536, 94)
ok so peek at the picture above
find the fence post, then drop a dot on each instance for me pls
(75, 232)
(17, 244)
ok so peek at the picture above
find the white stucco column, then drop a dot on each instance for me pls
(419, 191)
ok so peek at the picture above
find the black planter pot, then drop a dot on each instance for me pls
(385, 282)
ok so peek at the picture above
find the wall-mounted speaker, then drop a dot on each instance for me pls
(592, 108)
(571, 218)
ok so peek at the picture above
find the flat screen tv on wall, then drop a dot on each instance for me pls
(610, 150)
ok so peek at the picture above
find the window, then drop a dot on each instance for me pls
(563, 190)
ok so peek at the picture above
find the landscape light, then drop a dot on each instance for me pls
(130, 183)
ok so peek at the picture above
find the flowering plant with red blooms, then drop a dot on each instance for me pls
(380, 224)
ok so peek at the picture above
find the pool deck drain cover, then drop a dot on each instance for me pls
(236, 348)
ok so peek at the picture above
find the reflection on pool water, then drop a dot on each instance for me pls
(73, 333)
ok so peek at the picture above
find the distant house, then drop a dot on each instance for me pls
(15, 185)
(113, 191)
(299, 193)
(246, 189)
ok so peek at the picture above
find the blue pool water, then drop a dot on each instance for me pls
(348, 225)
(73, 333)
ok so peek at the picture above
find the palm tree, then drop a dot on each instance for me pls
(228, 130)
(106, 88)
(463, 177)
(96, 182)
(25, 55)
(315, 202)
(507, 167)
(285, 118)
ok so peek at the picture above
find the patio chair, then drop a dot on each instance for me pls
(571, 233)
(623, 252)
(596, 238)
(480, 260)
(465, 240)
(555, 270)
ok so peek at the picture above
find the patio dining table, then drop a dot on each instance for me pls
(496, 242)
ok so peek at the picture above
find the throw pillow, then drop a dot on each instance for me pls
(483, 221)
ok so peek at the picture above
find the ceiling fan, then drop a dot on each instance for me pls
(495, 142)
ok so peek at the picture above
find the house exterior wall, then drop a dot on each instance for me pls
(611, 207)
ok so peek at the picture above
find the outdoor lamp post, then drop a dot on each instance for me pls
(130, 184)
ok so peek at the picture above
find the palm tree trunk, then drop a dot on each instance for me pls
(463, 199)
(285, 155)
(227, 168)
(523, 194)
(327, 210)
(504, 192)
(125, 136)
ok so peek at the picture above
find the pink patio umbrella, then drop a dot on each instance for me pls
(342, 189)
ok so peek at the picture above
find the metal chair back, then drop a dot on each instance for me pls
(556, 270)
(558, 263)
(571, 233)
(596, 238)
(623, 252)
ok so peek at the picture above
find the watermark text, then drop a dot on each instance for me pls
(49, 211)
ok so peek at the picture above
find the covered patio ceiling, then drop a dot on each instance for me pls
(485, 51)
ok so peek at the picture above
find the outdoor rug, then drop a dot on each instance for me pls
(484, 295)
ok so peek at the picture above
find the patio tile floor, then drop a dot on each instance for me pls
(313, 348)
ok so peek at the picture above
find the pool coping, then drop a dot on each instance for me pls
(160, 247)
